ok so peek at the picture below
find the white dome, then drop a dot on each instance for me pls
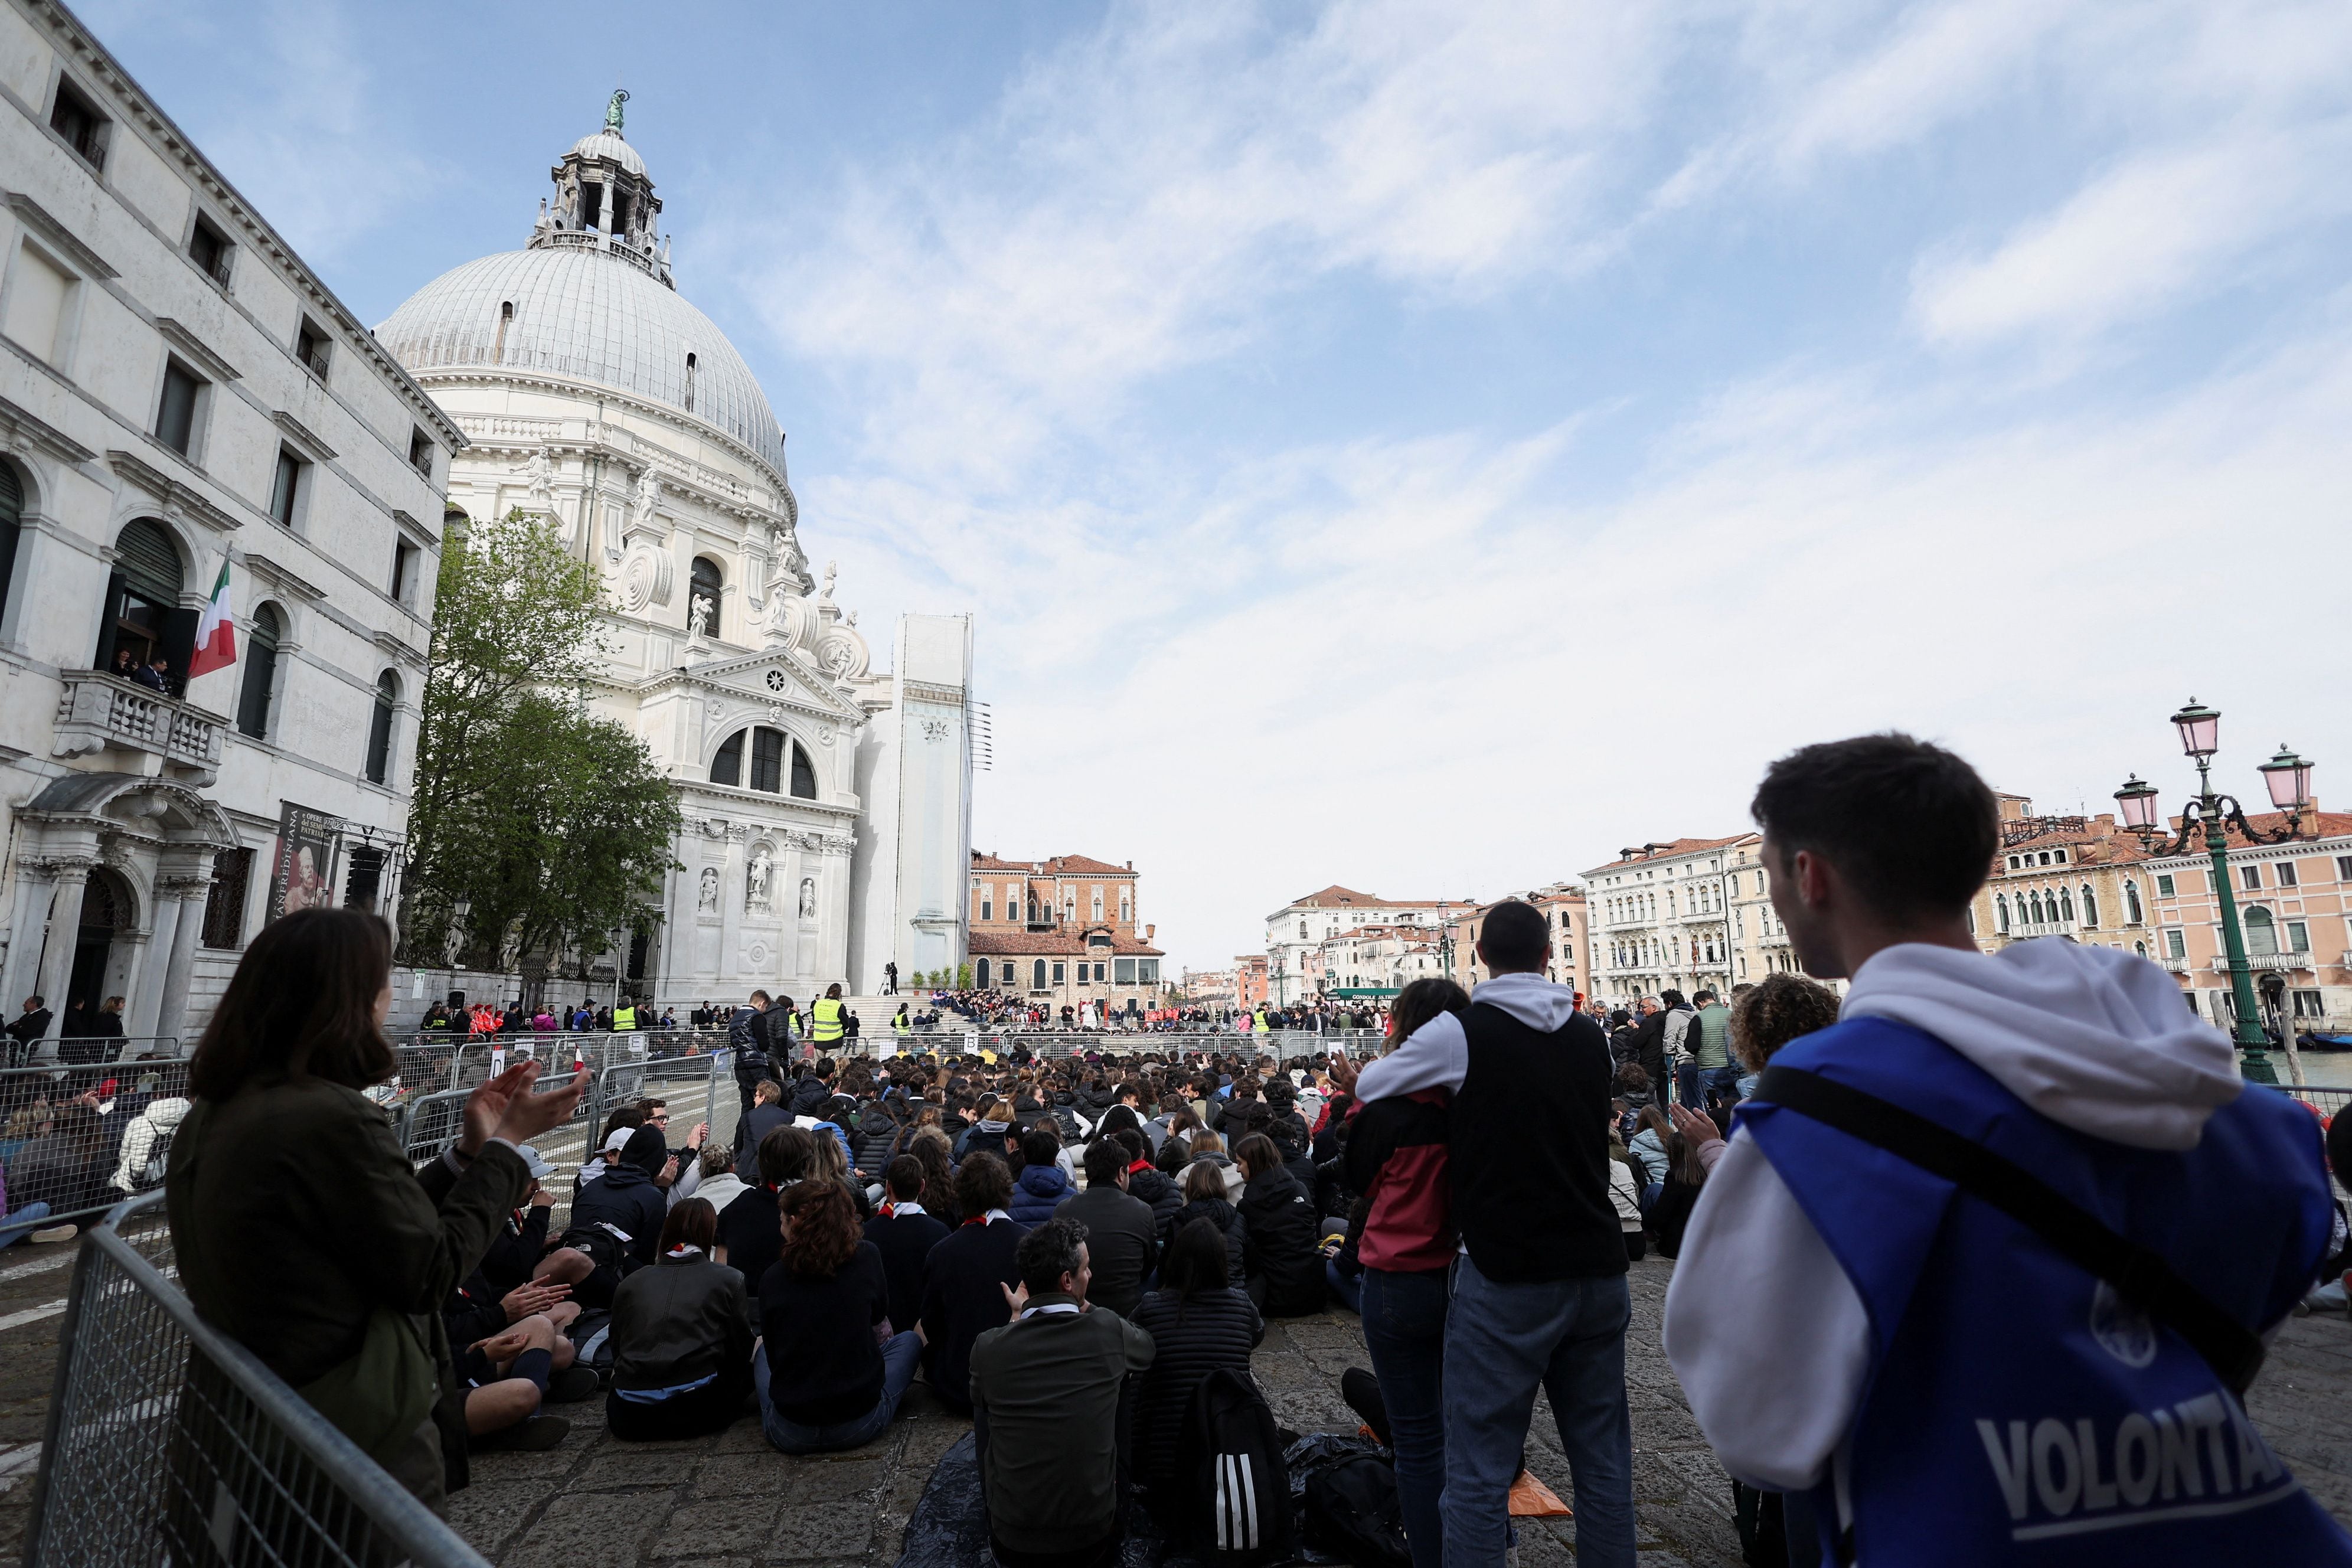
(591, 317)
(609, 145)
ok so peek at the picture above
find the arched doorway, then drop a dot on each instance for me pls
(108, 909)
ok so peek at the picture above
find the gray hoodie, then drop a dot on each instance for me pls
(1763, 1328)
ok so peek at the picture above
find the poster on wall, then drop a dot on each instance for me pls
(298, 876)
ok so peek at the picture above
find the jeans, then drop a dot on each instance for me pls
(1723, 1083)
(899, 1354)
(30, 1216)
(1348, 1293)
(1404, 1328)
(1503, 1342)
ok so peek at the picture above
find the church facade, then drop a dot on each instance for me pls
(827, 801)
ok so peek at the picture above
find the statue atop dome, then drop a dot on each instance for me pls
(613, 109)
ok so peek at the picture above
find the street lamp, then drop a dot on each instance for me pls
(2288, 779)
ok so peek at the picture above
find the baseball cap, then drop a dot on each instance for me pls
(539, 1167)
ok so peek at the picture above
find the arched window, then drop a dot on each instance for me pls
(705, 582)
(803, 774)
(260, 679)
(2262, 933)
(2131, 904)
(2140, 948)
(1037, 974)
(2090, 906)
(690, 383)
(980, 973)
(2066, 903)
(142, 603)
(727, 767)
(379, 751)
(2033, 908)
(11, 514)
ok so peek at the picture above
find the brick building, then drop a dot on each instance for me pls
(2079, 876)
(1062, 932)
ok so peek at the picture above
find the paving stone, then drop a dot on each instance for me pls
(704, 1529)
(824, 1530)
(631, 1466)
(741, 1475)
(601, 1526)
(491, 1513)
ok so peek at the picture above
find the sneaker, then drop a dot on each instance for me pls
(55, 1233)
(535, 1436)
(572, 1384)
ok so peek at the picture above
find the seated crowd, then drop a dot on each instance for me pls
(1075, 1254)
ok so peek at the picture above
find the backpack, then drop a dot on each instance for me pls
(1231, 1453)
(1353, 1513)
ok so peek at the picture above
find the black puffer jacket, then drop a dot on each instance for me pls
(872, 1139)
(1281, 1235)
(1226, 1218)
(1191, 1336)
(1152, 1187)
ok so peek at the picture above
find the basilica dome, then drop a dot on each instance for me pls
(588, 315)
(590, 300)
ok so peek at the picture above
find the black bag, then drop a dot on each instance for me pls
(1240, 1491)
(1353, 1513)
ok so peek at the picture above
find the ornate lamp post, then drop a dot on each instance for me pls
(2288, 779)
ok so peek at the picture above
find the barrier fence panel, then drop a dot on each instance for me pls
(90, 1051)
(79, 1139)
(168, 1442)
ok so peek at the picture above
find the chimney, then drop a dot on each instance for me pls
(1147, 931)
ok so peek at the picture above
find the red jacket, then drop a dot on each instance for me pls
(1396, 1156)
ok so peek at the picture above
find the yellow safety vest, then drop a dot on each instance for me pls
(899, 1024)
(625, 1019)
(828, 1020)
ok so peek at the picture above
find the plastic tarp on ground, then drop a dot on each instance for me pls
(949, 1526)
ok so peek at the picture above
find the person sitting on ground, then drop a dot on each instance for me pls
(720, 1186)
(965, 1277)
(904, 1234)
(1283, 1269)
(1200, 1324)
(1041, 1185)
(617, 1219)
(932, 1149)
(1148, 1184)
(1046, 1397)
(681, 1337)
(63, 1171)
(749, 1239)
(829, 1371)
(506, 1376)
(1122, 1237)
(1209, 1149)
(1203, 1186)
(1685, 1178)
(766, 1114)
(830, 1161)
(1288, 1129)
(520, 1253)
(1627, 1177)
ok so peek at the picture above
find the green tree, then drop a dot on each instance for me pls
(535, 823)
(963, 977)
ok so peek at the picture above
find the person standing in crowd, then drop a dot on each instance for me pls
(1539, 1295)
(1395, 1156)
(890, 979)
(826, 1381)
(1674, 1035)
(1708, 1039)
(681, 1338)
(301, 1228)
(1987, 1257)
(827, 1020)
(1045, 1402)
(27, 1030)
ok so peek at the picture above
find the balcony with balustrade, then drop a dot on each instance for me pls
(100, 712)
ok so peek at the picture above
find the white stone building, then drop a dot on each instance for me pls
(1669, 916)
(827, 804)
(1297, 931)
(179, 391)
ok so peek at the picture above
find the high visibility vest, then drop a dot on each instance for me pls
(828, 1020)
(624, 1017)
(899, 1024)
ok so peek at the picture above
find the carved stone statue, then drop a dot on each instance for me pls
(808, 897)
(698, 615)
(762, 866)
(539, 479)
(709, 902)
(613, 109)
(647, 497)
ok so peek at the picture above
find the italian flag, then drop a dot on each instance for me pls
(216, 632)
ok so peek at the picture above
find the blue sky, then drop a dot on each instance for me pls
(1428, 447)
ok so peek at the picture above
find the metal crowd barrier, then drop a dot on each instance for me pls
(36, 1105)
(168, 1442)
(1287, 1044)
(90, 1051)
(2327, 1101)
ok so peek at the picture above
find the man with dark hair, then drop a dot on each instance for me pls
(1122, 1237)
(1045, 1404)
(1539, 1292)
(747, 1039)
(966, 1275)
(904, 1234)
(1982, 1273)
(26, 1032)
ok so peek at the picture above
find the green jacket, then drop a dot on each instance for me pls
(296, 1217)
(1711, 1037)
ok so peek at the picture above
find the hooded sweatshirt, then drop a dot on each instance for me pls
(1764, 1329)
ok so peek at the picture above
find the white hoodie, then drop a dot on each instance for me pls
(1763, 1328)
(1437, 1055)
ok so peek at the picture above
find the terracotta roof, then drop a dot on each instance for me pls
(1054, 944)
(1667, 851)
(2316, 825)
(1058, 866)
(1336, 895)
